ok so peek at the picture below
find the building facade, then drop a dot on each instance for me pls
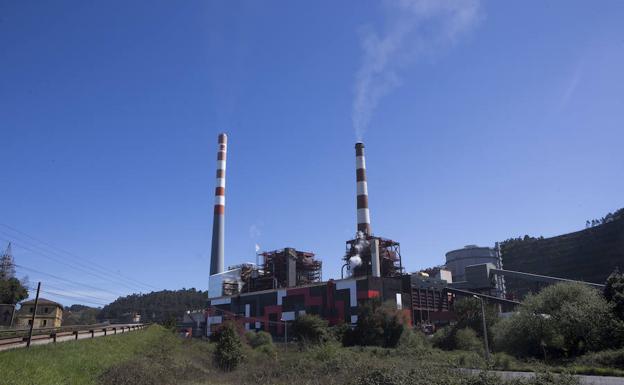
(335, 301)
(49, 314)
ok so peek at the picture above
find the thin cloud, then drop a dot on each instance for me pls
(412, 27)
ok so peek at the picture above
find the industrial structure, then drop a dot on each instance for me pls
(268, 294)
(288, 282)
(458, 260)
(218, 225)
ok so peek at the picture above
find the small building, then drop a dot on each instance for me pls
(49, 314)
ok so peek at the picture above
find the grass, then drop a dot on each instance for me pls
(157, 357)
(75, 362)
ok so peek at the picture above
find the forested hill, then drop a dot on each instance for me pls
(157, 306)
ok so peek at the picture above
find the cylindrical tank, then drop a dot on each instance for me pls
(457, 260)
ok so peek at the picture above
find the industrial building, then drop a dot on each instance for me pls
(458, 260)
(287, 282)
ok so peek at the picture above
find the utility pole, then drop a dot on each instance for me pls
(32, 321)
(485, 336)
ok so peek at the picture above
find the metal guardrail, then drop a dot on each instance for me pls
(76, 331)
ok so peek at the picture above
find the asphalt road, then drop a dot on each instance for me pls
(585, 380)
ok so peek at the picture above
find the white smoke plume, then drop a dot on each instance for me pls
(413, 27)
(355, 261)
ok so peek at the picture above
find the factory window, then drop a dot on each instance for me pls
(46, 310)
(31, 309)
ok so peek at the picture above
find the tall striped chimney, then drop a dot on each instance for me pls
(218, 224)
(363, 214)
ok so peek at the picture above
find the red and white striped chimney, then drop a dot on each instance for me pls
(363, 214)
(218, 225)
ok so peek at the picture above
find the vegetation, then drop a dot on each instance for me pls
(610, 217)
(310, 329)
(157, 357)
(80, 315)
(564, 320)
(229, 352)
(257, 339)
(12, 291)
(157, 306)
(614, 292)
(377, 325)
(467, 332)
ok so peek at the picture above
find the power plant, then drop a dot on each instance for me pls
(288, 282)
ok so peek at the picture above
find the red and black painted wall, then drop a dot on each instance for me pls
(336, 301)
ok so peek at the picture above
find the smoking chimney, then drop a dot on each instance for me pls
(218, 224)
(363, 215)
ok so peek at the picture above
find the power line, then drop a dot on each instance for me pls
(78, 258)
(80, 266)
(66, 280)
(85, 271)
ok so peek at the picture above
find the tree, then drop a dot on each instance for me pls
(12, 291)
(379, 325)
(229, 352)
(614, 292)
(157, 306)
(468, 312)
(566, 319)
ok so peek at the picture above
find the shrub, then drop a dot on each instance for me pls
(503, 361)
(338, 332)
(607, 358)
(614, 292)
(268, 349)
(413, 341)
(256, 339)
(228, 354)
(566, 319)
(310, 329)
(377, 325)
(444, 338)
(469, 315)
(466, 339)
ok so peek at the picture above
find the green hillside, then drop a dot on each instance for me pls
(157, 306)
(588, 255)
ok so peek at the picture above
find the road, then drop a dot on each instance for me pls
(585, 380)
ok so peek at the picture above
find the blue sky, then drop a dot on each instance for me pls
(486, 120)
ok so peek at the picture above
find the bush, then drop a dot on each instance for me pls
(607, 358)
(338, 332)
(466, 339)
(469, 315)
(377, 326)
(256, 339)
(310, 329)
(503, 361)
(413, 341)
(566, 319)
(268, 350)
(228, 354)
(444, 338)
